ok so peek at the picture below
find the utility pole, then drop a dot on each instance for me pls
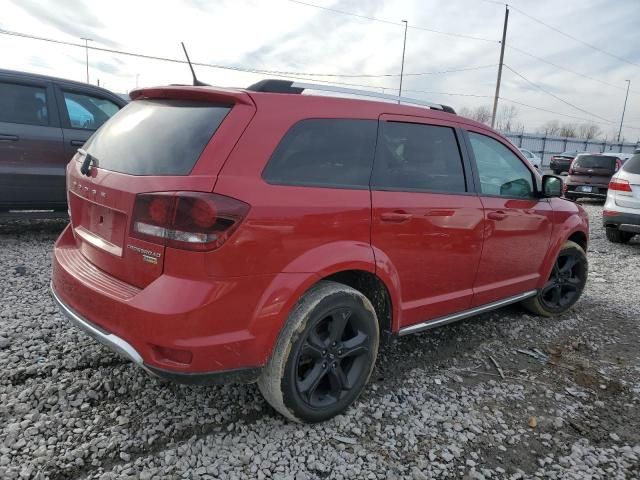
(86, 53)
(404, 46)
(504, 41)
(624, 108)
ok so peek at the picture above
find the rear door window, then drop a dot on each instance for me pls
(86, 111)
(24, 104)
(632, 165)
(156, 137)
(418, 157)
(324, 152)
(595, 161)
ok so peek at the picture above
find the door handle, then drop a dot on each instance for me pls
(395, 217)
(9, 138)
(77, 143)
(497, 215)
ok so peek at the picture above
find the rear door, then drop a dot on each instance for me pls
(426, 219)
(518, 223)
(81, 114)
(32, 156)
(152, 145)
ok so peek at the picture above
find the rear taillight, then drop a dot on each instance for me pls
(186, 220)
(620, 185)
(609, 213)
(571, 170)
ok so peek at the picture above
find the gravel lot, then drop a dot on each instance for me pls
(436, 406)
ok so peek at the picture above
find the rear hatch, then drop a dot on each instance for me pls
(170, 140)
(593, 169)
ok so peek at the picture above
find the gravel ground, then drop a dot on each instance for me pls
(436, 406)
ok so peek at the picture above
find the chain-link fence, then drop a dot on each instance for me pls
(546, 146)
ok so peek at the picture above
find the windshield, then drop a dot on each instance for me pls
(156, 137)
(595, 161)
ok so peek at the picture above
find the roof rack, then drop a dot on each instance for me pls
(287, 86)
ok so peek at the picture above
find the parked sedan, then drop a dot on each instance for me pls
(43, 122)
(561, 162)
(621, 214)
(534, 159)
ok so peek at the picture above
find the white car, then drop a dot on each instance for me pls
(621, 214)
(534, 160)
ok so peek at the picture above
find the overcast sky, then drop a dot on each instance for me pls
(283, 35)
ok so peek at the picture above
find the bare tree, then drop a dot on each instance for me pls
(568, 130)
(589, 131)
(506, 118)
(480, 114)
(552, 127)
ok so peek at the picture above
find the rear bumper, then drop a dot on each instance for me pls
(213, 319)
(599, 190)
(626, 222)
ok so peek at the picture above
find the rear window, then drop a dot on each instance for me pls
(156, 137)
(632, 165)
(596, 161)
(324, 152)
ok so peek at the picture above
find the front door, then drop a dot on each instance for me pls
(426, 222)
(518, 222)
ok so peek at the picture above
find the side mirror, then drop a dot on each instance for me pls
(551, 186)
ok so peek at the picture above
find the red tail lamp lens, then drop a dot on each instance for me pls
(619, 185)
(186, 220)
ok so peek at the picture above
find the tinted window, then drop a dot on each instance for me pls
(23, 104)
(595, 161)
(88, 112)
(412, 156)
(501, 172)
(324, 152)
(632, 165)
(156, 137)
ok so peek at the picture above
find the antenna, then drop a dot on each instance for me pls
(196, 82)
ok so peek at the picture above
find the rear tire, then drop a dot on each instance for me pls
(565, 285)
(324, 355)
(616, 236)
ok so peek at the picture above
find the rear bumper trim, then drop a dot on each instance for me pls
(110, 340)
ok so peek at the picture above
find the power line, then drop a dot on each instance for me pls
(524, 52)
(391, 22)
(594, 47)
(230, 67)
(555, 96)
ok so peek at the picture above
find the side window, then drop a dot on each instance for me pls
(324, 152)
(412, 156)
(501, 172)
(24, 104)
(88, 112)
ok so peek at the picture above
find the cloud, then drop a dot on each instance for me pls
(72, 17)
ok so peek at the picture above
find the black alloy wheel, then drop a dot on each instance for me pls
(332, 357)
(565, 283)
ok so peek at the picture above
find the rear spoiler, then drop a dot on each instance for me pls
(188, 92)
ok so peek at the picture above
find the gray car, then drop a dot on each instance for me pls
(43, 121)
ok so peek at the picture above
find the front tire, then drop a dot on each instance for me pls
(324, 355)
(565, 284)
(616, 236)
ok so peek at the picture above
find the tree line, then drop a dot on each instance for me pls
(507, 121)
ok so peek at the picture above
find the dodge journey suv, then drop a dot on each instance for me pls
(273, 236)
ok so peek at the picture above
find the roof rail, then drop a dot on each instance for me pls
(286, 86)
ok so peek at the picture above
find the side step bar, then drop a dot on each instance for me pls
(438, 322)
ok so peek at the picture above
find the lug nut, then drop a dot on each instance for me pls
(333, 365)
(324, 364)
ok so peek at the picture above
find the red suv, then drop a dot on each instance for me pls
(246, 235)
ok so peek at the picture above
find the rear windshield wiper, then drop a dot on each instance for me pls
(85, 169)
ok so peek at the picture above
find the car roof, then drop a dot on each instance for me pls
(64, 81)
